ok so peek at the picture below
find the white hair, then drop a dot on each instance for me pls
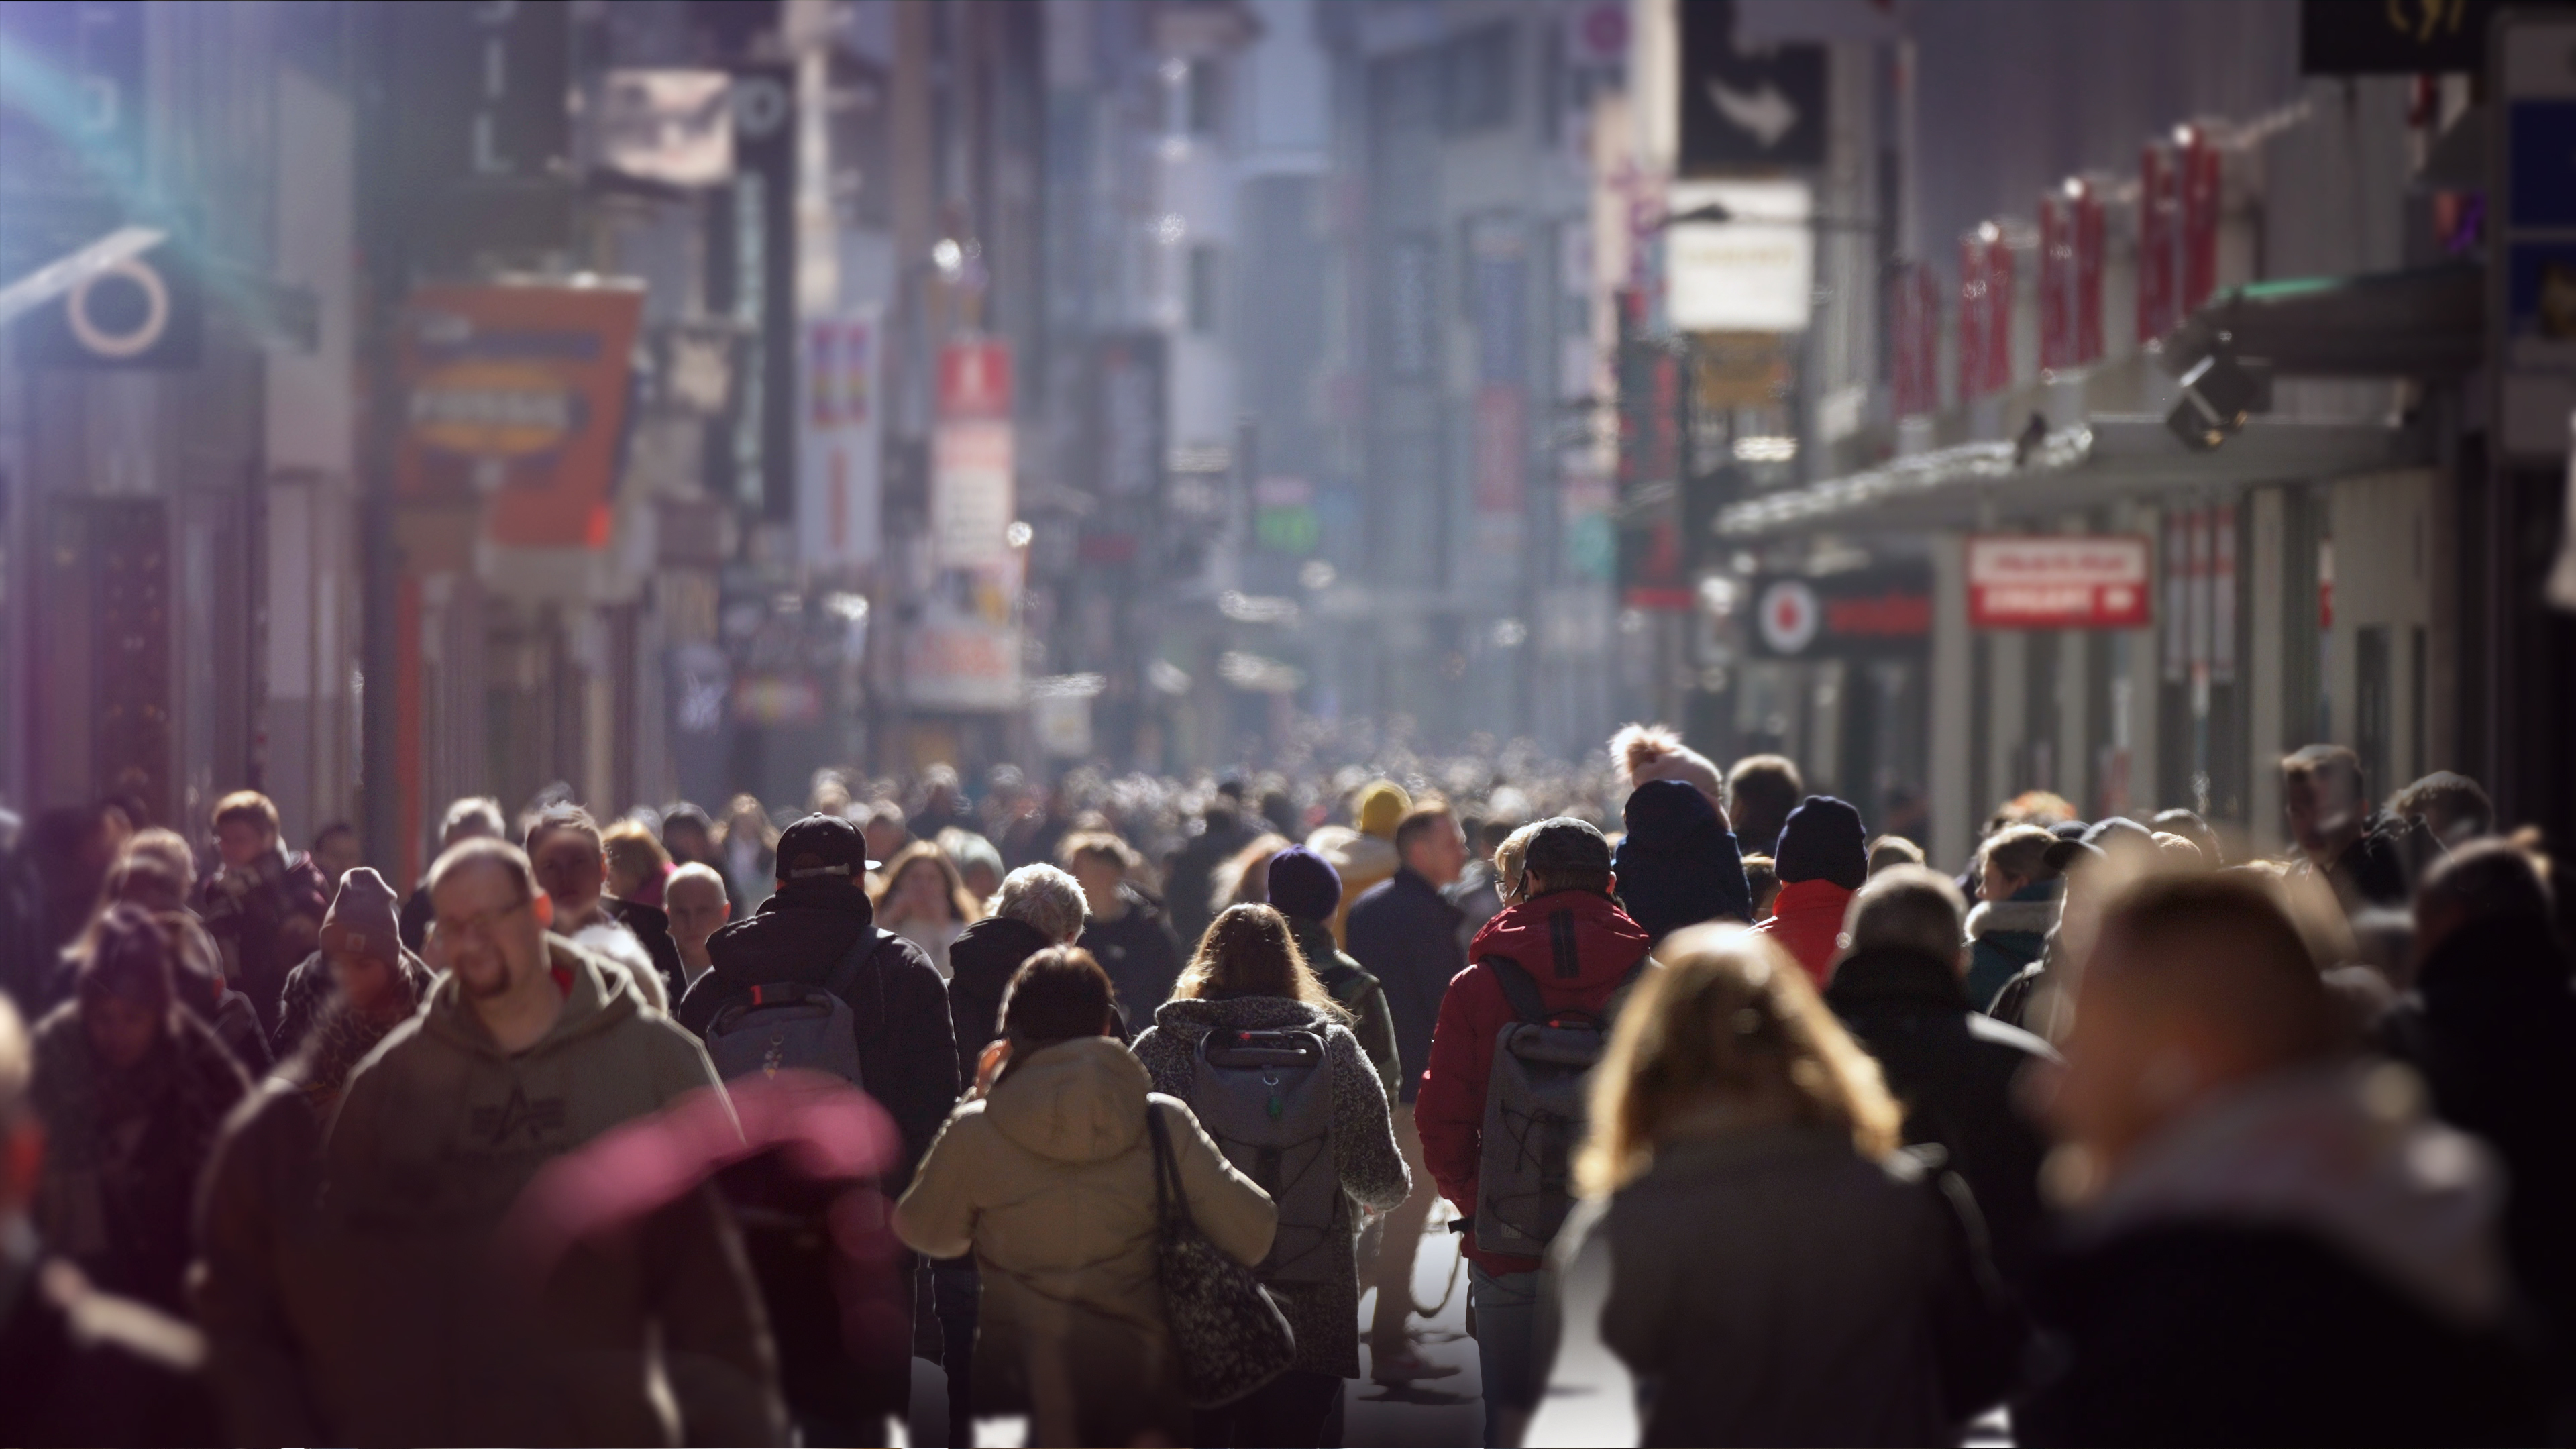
(1046, 898)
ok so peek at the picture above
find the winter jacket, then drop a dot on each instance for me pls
(418, 911)
(981, 963)
(1049, 1182)
(310, 989)
(1807, 919)
(82, 1367)
(434, 1138)
(1578, 947)
(266, 918)
(1371, 1167)
(2006, 936)
(1359, 992)
(907, 1048)
(1954, 1069)
(2491, 1026)
(2288, 1264)
(1769, 1285)
(1406, 935)
(1362, 861)
(1189, 884)
(1677, 865)
(1140, 954)
(652, 928)
(198, 973)
(123, 1150)
(2371, 871)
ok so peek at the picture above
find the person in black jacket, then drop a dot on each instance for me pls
(1677, 864)
(1130, 933)
(2327, 805)
(1954, 1068)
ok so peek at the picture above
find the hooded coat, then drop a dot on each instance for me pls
(1325, 1316)
(433, 1140)
(1406, 933)
(1578, 946)
(1049, 1182)
(981, 963)
(1677, 865)
(1822, 859)
(1807, 920)
(1138, 951)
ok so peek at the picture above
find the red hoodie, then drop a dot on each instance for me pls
(1577, 946)
(1807, 920)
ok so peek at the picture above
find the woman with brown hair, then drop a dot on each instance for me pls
(1756, 1263)
(922, 899)
(1046, 1174)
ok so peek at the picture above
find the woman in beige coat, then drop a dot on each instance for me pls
(1047, 1174)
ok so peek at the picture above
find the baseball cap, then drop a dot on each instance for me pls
(821, 845)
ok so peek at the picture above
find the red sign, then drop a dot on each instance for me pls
(1916, 304)
(2056, 331)
(1999, 313)
(1502, 449)
(2087, 246)
(975, 380)
(1972, 316)
(2054, 581)
(2156, 203)
(2198, 162)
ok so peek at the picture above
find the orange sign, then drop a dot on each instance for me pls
(516, 396)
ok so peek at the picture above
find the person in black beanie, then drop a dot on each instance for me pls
(1306, 889)
(1678, 864)
(1822, 858)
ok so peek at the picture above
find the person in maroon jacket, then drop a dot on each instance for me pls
(1571, 938)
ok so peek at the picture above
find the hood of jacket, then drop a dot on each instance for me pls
(1075, 1101)
(1350, 853)
(594, 1001)
(1807, 918)
(2319, 1149)
(1195, 1017)
(799, 934)
(1574, 944)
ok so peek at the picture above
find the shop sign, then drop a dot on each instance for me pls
(1877, 611)
(1754, 272)
(2070, 581)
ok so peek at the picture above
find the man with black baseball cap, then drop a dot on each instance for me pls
(1570, 939)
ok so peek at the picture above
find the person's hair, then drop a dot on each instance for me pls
(744, 810)
(1907, 908)
(336, 827)
(17, 1063)
(1244, 877)
(2189, 825)
(2488, 880)
(146, 877)
(2311, 762)
(559, 817)
(2019, 851)
(1249, 951)
(694, 871)
(1890, 851)
(1058, 994)
(1417, 821)
(475, 814)
(1730, 1018)
(1045, 898)
(2222, 947)
(683, 812)
(2032, 807)
(1770, 783)
(2446, 802)
(249, 807)
(962, 906)
(1101, 845)
(167, 848)
(489, 851)
(1761, 882)
(631, 848)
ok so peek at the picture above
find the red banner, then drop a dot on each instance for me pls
(2198, 162)
(2054, 581)
(2155, 243)
(2056, 332)
(1999, 313)
(1972, 316)
(2087, 247)
(975, 380)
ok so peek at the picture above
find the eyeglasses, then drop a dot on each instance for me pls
(484, 925)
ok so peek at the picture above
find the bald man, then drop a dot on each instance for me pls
(2268, 1244)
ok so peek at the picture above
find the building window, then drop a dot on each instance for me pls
(1206, 98)
(1204, 281)
(1476, 80)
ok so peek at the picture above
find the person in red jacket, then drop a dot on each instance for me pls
(1574, 941)
(1823, 857)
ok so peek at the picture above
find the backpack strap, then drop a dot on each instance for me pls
(1518, 989)
(844, 980)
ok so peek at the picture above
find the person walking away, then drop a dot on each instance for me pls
(1844, 1299)
(1047, 1176)
(1405, 933)
(637, 864)
(473, 817)
(563, 845)
(1303, 888)
(1822, 859)
(1955, 1069)
(1563, 955)
(1363, 852)
(2016, 904)
(529, 1049)
(1761, 790)
(1643, 753)
(922, 900)
(695, 900)
(263, 906)
(1677, 861)
(360, 932)
(1129, 935)
(1266, 1059)
(1243, 878)
(267, 1285)
(2491, 1026)
(689, 838)
(1478, 894)
(1186, 886)
(2327, 806)
(2268, 1243)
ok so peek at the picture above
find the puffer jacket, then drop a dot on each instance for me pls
(1365, 1157)
(1807, 919)
(2006, 936)
(1049, 1182)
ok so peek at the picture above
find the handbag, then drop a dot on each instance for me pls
(1227, 1333)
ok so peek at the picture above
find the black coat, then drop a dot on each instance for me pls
(1954, 1070)
(1406, 934)
(909, 1053)
(652, 927)
(981, 962)
(1676, 865)
(1140, 954)
(2225, 1333)
(2491, 1025)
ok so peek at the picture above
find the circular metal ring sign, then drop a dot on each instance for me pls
(136, 341)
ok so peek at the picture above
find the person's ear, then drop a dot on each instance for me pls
(1610, 887)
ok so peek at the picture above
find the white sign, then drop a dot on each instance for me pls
(1789, 617)
(2060, 582)
(837, 445)
(1753, 271)
(971, 499)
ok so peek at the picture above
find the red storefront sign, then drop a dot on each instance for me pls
(2056, 252)
(2072, 581)
(2198, 161)
(975, 380)
(2086, 225)
(2156, 206)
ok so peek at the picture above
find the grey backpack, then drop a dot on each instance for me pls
(1534, 1113)
(1267, 1099)
(796, 1025)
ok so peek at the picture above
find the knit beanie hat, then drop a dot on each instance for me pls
(1823, 840)
(1381, 805)
(1304, 885)
(361, 921)
(129, 959)
(1644, 752)
(1669, 814)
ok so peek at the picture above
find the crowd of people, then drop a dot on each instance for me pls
(1118, 1099)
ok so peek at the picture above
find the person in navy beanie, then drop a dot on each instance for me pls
(1306, 889)
(1822, 858)
(1678, 864)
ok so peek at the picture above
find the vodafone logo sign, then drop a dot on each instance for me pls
(1789, 616)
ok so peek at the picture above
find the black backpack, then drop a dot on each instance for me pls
(798, 1025)
(1534, 1112)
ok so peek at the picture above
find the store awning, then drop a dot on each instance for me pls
(2103, 460)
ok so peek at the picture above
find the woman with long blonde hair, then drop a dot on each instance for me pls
(1755, 1262)
(922, 898)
